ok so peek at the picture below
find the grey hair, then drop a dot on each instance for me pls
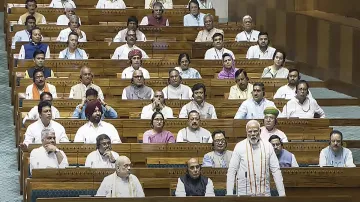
(84, 67)
(252, 122)
(46, 131)
(209, 15)
(74, 18)
(247, 17)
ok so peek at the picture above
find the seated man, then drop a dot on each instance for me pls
(186, 72)
(31, 6)
(110, 4)
(91, 95)
(205, 109)
(218, 50)
(168, 4)
(132, 24)
(103, 156)
(34, 114)
(205, 4)
(288, 91)
(78, 91)
(33, 131)
(175, 89)
(122, 52)
(34, 90)
(249, 34)
(137, 90)
(195, 18)
(253, 108)
(157, 105)
(24, 35)
(69, 11)
(335, 154)
(220, 157)
(61, 3)
(72, 52)
(286, 158)
(156, 19)
(193, 132)
(302, 106)
(193, 183)
(39, 60)
(135, 59)
(121, 183)
(209, 30)
(242, 89)
(74, 26)
(261, 51)
(95, 127)
(27, 50)
(278, 69)
(48, 155)
(269, 128)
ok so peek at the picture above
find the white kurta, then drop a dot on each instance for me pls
(114, 186)
(63, 20)
(248, 37)
(256, 162)
(182, 92)
(254, 52)
(206, 36)
(147, 112)
(206, 110)
(88, 133)
(22, 53)
(20, 36)
(200, 135)
(180, 189)
(306, 110)
(96, 160)
(343, 159)
(215, 54)
(122, 52)
(192, 21)
(268, 72)
(64, 35)
(237, 93)
(34, 114)
(40, 158)
(128, 72)
(286, 92)
(29, 94)
(60, 4)
(110, 4)
(120, 37)
(72, 56)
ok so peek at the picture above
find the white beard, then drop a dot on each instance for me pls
(253, 141)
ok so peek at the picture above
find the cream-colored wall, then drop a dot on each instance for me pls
(221, 9)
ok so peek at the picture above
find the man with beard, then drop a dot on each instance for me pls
(74, 26)
(302, 106)
(137, 90)
(193, 132)
(39, 60)
(78, 91)
(121, 183)
(209, 30)
(262, 50)
(288, 91)
(24, 35)
(218, 50)
(193, 183)
(73, 52)
(103, 157)
(39, 86)
(249, 34)
(252, 161)
(48, 155)
(220, 157)
(195, 18)
(253, 108)
(157, 105)
(31, 6)
(95, 127)
(175, 89)
(286, 159)
(132, 24)
(122, 52)
(135, 57)
(269, 128)
(156, 19)
(205, 109)
(335, 154)
(242, 89)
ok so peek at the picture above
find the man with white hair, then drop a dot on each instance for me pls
(74, 26)
(249, 34)
(61, 3)
(209, 30)
(48, 155)
(121, 183)
(69, 10)
(252, 160)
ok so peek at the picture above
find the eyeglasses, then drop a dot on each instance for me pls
(218, 141)
(127, 165)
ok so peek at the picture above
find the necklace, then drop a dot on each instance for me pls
(246, 35)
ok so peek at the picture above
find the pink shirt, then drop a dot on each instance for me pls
(265, 134)
(164, 137)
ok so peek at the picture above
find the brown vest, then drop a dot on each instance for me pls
(153, 22)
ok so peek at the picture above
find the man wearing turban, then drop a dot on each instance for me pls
(135, 59)
(269, 128)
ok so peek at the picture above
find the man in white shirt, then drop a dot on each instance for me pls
(135, 59)
(218, 50)
(78, 91)
(132, 24)
(61, 3)
(156, 18)
(31, 6)
(249, 34)
(48, 155)
(34, 90)
(167, 4)
(69, 11)
(72, 52)
(110, 4)
(74, 26)
(205, 109)
(288, 91)
(157, 104)
(302, 106)
(269, 128)
(193, 183)
(242, 89)
(209, 30)
(195, 18)
(122, 52)
(34, 114)
(121, 183)
(33, 131)
(95, 127)
(103, 156)
(175, 89)
(261, 51)
(253, 108)
(252, 161)
(24, 35)
(193, 132)
(286, 158)
(137, 90)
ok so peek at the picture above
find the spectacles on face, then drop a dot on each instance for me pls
(127, 166)
(138, 77)
(220, 141)
(194, 167)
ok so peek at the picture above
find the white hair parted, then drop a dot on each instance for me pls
(252, 122)
(46, 131)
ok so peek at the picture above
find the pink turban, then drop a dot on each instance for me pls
(133, 53)
(90, 108)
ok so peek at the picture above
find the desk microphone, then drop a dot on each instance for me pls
(237, 186)
(77, 158)
(245, 183)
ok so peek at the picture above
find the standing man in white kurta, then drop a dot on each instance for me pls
(253, 159)
(121, 183)
(102, 157)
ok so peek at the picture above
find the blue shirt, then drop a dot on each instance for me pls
(250, 109)
(111, 113)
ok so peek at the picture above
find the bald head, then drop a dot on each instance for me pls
(193, 167)
(192, 160)
(123, 166)
(121, 160)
